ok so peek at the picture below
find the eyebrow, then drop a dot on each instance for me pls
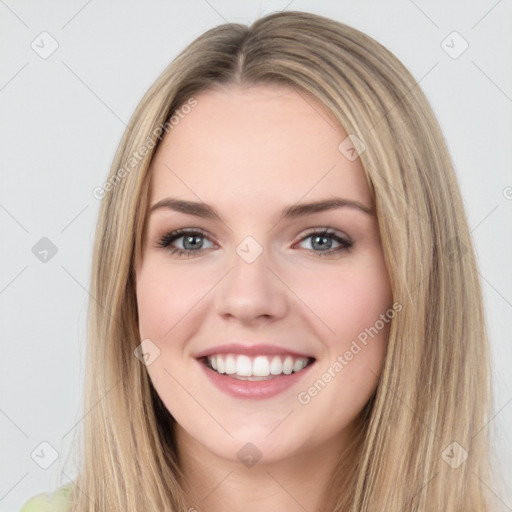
(290, 212)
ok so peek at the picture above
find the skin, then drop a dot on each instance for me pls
(249, 153)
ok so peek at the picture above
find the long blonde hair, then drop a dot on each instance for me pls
(433, 398)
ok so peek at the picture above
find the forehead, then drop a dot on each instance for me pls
(262, 144)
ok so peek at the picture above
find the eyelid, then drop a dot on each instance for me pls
(308, 232)
(164, 241)
(176, 234)
(327, 231)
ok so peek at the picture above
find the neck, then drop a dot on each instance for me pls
(300, 482)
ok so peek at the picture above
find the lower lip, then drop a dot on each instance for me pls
(250, 388)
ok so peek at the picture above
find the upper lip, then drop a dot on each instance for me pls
(250, 350)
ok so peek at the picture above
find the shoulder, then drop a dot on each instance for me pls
(48, 502)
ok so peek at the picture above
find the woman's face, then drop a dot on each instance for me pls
(252, 289)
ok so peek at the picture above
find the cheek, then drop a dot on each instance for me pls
(365, 299)
(164, 299)
(154, 303)
(348, 300)
(356, 303)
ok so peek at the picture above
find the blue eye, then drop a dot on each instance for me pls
(193, 242)
(323, 240)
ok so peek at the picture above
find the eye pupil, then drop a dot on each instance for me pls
(193, 241)
(188, 242)
(326, 241)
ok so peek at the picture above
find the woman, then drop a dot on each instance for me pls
(287, 310)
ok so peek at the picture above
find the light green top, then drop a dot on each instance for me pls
(48, 502)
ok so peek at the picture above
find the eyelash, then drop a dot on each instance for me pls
(165, 241)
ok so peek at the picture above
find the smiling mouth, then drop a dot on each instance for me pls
(261, 367)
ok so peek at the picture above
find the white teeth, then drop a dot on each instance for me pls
(276, 366)
(299, 364)
(230, 365)
(259, 366)
(243, 366)
(288, 365)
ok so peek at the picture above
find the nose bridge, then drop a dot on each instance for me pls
(250, 289)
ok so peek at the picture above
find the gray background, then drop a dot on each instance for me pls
(63, 116)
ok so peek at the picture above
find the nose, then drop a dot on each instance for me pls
(252, 292)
